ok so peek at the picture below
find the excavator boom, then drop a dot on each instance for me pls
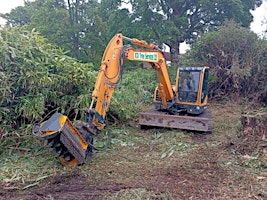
(111, 71)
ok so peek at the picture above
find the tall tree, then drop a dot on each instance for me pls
(116, 18)
(51, 20)
(73, 24)
(185, 20)
(85, 27)
(20, 15)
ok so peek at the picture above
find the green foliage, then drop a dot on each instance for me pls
(237, 60)
(72, 25)
(84, 27)
(186, 20)
(37, 77)
(20, 15)
(135, 92)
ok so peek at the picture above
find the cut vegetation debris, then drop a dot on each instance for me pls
(146, 164)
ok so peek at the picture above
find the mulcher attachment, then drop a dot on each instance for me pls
(64, 139)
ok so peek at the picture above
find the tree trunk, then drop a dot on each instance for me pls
(175, 53)
(73, 12)
(254, 134)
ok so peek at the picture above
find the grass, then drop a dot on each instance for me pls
(152, 164)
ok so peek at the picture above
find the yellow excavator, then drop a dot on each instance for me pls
(183, 105)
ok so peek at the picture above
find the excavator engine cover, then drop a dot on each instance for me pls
(60, 134)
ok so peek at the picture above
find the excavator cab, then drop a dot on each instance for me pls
(188, 109)
(190, 90)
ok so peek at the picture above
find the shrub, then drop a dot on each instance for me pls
(237, 58)
(38, 78)
(135, 92)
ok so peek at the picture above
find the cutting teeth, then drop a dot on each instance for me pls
(59, 151)
(57, 145)
(59, 148)
(63, 153)
(50, 143)
(67, 157)
(68, 148)
(65, 140)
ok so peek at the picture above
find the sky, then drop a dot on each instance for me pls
(259, 14)
(7, 5)
(256, 26)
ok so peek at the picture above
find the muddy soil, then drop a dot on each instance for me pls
(200, 180)
(201, 177)
(206, 170)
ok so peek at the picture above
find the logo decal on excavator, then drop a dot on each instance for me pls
(146, 56)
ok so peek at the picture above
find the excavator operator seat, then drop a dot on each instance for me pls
(188, 85)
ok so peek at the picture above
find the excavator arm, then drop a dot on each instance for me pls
(110, 75)
(74, 144)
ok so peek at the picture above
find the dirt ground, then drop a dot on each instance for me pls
(195, 166)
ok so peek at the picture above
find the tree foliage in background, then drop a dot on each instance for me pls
(134, 94)
(74, 25)
(85, 30)
(186, 20)
(85, 26)
(117, 19)
(238, 62)
(38, 78)
(20, 15)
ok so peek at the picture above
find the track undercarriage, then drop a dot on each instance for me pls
(202, 122)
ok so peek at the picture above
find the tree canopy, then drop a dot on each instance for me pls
(186, 20)
(83, 27)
